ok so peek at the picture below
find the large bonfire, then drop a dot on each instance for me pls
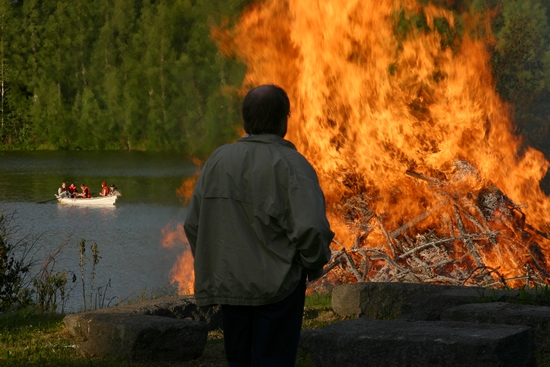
(395, 106)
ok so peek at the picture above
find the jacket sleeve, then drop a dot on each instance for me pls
(309, 228)
(191, 224)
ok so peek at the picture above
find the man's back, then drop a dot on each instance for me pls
(260, 206)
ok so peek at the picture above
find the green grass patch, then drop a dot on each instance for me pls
(318, 311)
(536, 295)
(29, 338)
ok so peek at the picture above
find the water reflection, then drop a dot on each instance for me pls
(128, 234)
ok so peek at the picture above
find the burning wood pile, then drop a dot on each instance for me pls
(464, 239)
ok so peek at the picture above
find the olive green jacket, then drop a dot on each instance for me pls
(256, 223)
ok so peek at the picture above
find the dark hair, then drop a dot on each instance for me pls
(265, 110)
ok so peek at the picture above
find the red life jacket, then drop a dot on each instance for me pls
(105, 191)
(86, 192)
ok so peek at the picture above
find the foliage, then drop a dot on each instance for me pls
(48, 290)
(521, 66)
(97, 296)
(116, 74)
(537, 295)
(49, 284)
(14, 267)
(18, 287)
(47, 287)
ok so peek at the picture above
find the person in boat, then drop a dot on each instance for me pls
(63, 191)
(72, 190)
(85, 192)
(257, 228)
(104, 189)
(113, 191)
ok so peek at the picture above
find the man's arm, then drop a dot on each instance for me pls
(310, 228)
(191, 224)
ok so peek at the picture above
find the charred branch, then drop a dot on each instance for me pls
(468, 242)
(388, 239)
(470, 228)
(418, 219)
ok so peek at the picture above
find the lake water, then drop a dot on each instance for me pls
(128, 234)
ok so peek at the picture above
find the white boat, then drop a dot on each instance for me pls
(96, 201)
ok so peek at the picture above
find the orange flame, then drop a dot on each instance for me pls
(185, 192)
(377, 92)
(370, 103)
(173, 236)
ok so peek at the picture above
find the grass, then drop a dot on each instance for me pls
(29, 338)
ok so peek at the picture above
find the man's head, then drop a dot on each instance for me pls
(103, 184)
(265, 110)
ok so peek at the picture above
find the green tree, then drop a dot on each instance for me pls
(13, 127)
(4, 9)
(118, 74)
(520, 66)
(110, 59)
(216, 79)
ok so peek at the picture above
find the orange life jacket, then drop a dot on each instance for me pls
(86, 192)
(105, 191)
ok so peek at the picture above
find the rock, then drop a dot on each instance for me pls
(135, 337)
(538, 317)
(409, 301)
(167, 329)
(178, 307)
(398, 343)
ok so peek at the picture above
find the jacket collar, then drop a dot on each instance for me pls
(267, 139)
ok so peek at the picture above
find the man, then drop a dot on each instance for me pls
(257, 228)
(113, 191)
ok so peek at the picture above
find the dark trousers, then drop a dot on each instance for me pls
(267, 335)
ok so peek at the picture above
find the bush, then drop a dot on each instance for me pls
(15, 266)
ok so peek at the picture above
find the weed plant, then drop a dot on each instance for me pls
(97, 296)
(537, 295)
(49, 288)
(15, 264)
(50, 283)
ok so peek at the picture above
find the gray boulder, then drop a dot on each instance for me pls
(178, 307)
(401, 343)
(411, 301)
(134, 337)
(538, 317)
(163, 329)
